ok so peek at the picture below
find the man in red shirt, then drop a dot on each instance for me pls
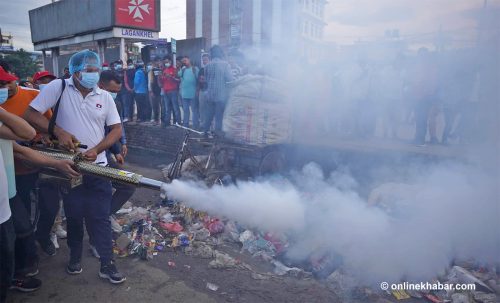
(169, 82)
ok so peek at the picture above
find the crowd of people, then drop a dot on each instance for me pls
(86, 107)
(162, 93)
(428, 98)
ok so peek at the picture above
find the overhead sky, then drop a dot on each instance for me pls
(348, 20)
(418, 21)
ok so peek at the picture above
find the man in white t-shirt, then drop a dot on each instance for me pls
(7, 235)
(83, 111)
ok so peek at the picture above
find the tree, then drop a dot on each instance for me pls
(21, 63)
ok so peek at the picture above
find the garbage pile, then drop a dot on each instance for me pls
(173, 226)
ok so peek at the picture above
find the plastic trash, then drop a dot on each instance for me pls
(201, 234)
(215, 226)
(212, 286)
(461, 298)
(124, 211)
(483, 297)
(173, 227)
(461, 275)
(222, 261)
(280, 269)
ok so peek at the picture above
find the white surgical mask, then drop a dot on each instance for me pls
(118, 66)
(130, 67)
(4, 95)
(105, 68)
(89, 80)
(41, 86)
(113, 95)
(167, 64)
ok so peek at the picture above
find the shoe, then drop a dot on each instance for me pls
(53, 239)
(115, 226)
(26, 285)
(48, 248)
(74, 268)
(94, 252)
(32, 270)
(60, 232)
(110, 272)
(125, 120)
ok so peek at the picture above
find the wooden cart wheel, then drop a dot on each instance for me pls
(272, 162)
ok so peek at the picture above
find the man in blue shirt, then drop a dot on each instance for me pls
(189, 75)
(141, 94)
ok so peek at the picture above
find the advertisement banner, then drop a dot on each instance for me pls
(136, 13)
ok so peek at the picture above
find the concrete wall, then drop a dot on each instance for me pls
(154, 138)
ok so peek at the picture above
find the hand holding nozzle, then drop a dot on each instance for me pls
(65, 139)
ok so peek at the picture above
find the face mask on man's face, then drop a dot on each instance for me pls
(113, 95)
(4, 95)
(105, 68)
(167, 64)
(89, 79)
(118, 66)
(130, 67)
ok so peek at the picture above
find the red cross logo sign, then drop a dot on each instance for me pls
(136, 13)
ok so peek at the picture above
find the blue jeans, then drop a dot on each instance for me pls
(214, 109)
(90, 201)
(186, 105)
(169, 100)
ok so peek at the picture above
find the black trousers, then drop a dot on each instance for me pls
(25, 184)
(143, 107)
(155, 101)
(7, 240)
(25, 246)
(90, 201)
(48, 204)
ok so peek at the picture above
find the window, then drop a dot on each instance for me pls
(306, 27)
(307, 4)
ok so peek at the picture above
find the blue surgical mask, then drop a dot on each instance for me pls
(113, 95)
(89, 80)
(41, 86)
(105, 68)
(167, 64)
(4, 95)
(118, 66)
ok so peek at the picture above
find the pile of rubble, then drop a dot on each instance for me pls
(145, 232)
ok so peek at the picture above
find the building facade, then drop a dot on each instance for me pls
(258, 24)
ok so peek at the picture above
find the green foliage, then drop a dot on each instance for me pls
(21, 63)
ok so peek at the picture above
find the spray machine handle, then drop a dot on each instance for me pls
(54, 142)
(77, 144)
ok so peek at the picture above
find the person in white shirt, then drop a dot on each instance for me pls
(83, 112)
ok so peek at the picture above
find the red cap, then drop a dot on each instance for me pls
(44, 73)
(105, 64)
(5, 76)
